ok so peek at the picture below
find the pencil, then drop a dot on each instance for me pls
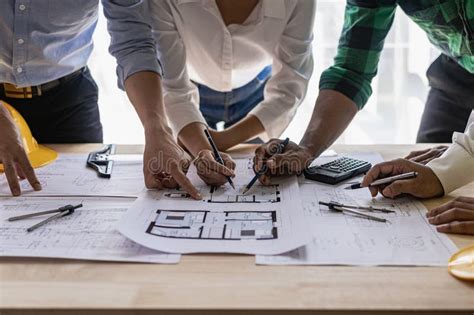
(280, 149)
(217, 155)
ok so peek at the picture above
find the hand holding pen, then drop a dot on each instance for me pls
(291, 161)
(425, 184)
(214, 162)
(263, 168)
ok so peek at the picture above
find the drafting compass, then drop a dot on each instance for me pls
(59, 213)
(363, 208)
(335, 206)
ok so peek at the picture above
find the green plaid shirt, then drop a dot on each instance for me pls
(449, 25)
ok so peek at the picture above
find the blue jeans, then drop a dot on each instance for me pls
(230, 107)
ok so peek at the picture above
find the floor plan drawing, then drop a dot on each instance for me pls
(268, 220)
(225, 194)
(228, 225)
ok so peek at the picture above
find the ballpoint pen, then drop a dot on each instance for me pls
(338, 207)
(217, 155)
(386, 180)
(280, 148)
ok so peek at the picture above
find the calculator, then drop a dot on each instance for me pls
(337, 171)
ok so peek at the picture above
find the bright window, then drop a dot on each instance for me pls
(391, 116)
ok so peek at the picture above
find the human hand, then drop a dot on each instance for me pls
(292, 161)
(424, 156)
(456, 216)
(13, 156)
(211, 171)
(425, 185)
(165, 164)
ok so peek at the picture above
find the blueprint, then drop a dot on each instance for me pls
(340, 238)
(68, 176)
(89, 233)
(266, 220)
(258, 197)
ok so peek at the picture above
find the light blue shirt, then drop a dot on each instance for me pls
(43, 40)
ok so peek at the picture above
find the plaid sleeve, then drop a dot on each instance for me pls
(366, 25)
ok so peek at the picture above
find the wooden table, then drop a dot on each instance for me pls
(218, 284)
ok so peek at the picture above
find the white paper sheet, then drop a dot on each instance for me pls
(267, 220)
(69, 176)
(89, 233)
(407, 239)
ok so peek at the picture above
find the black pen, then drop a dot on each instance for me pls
(217, 155)
(280, 148)
(386, 180)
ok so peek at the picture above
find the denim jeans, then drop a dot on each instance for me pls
(68, 113)
(230, 107)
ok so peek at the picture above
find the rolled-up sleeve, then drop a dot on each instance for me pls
(181, 96)
(455, 168)
(366, 25)
(132, 44)
(292, 69)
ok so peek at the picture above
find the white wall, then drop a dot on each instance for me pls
(391, 116)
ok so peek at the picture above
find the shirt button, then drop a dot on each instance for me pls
(19, 69)
(20, 41)
(22, 7)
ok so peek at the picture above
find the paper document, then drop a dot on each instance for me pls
(89, 233)
(69, 176)
(266, 220)
(339, 238)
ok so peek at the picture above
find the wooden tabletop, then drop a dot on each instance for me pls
(219, 284)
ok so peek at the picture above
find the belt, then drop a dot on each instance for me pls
(11, 91)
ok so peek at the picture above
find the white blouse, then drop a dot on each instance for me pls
(455, 168)
(194, 44)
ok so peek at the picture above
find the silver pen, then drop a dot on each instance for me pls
(386, 180)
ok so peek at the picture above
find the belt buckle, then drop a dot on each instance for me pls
(11, 91)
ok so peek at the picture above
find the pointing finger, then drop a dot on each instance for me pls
(12, 178)
(184, 182)
(28, 172)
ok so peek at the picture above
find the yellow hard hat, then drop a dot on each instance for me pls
(37, 154)
(461, 264)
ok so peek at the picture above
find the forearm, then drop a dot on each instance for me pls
(144, 91)
(193, 138)
(244, 130)
(332, 114)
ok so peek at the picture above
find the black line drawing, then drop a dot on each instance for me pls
(225, 194)
(213, 225)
